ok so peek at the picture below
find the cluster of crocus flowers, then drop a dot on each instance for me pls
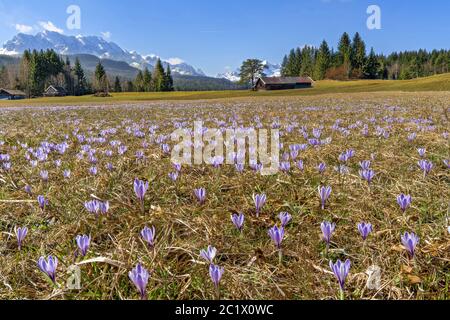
(324, 193)
(410, 241)
(341, 270)
(140, 189)
(404, 201)
(21, 233)
(140, 276)
(215, 272)
(425, 166)
(48, 266)
(97, 207)
(149, 236)
(259, 201)
(83, 243)
(200, 194)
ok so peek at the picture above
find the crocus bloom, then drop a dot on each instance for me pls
(140, 189)
(173, 176)
(209, 254)
(327, 230)
(216, 273)
(28, 190)
(285, 218)
(425, 166)
(259, 200)
(367, 175)
(365, 165)
(42, 202)
(324, 193)
(83, 243)
(421, 152)
(44, 175)
(410, 241)
(200, 194)
(285, 166)
(21, 233)
(277, 235)
(49, 266)
(139, 276)
(238, 221)
(300, 165)
(321, 167)
(341, 270)
(149, 235)
(364, 229)
(67, 174)
(404, 201)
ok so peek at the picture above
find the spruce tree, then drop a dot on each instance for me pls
(372, 66)
(80, 83)
(344, 49)
(168, 79)
(358, 54)
(322, 61)
(158, 77)
(147, 80)
(117, 85)
(139, 82)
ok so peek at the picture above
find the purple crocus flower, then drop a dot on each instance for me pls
(42, 202)
(277, 235)
(83, 243)
(259, 200)
(173, 176)
(66, 174)
(49, 267)
(93, 171)
(410, 241)
(324, 193)
(177, 167)
(367, 175)
(238, 221)
(364, 229)
(140, 189)
(341, 270)
(446, 163)
(149, 235)
(21, 233)
(209, 254)
(239, 167)
(421, 152)
(321, 167)
(44, 175)
(404, 201)
(425, 166)
(285, 166)
(200, 195)
(327, 231)
(139, 276)
(365, 165)
(216, 273)
(300, 165)
(28, 190)
(285, 218)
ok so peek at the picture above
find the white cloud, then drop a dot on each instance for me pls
(22, 28)
(106, 35)
(175, 61)
(49, 26)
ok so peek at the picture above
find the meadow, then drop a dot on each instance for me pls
(104, 173)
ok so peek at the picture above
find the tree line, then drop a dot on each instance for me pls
(39, 69)
(351, 61)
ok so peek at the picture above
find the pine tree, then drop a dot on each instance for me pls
(250, 70)
(284, 66)
(372, 66)
(4, 81)
(358, 53)
(80, 83)
(102, 84)
(168, 79)
(130, 86)
(139, 82)
(322, 61)
(344, 49)
(117, 85)
(147, 80)
(158, 77)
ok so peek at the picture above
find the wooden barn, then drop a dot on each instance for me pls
(6, 94)
(55, 91)
(283, 83)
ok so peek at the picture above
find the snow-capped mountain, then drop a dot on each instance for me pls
(272, 70)
(97, 46)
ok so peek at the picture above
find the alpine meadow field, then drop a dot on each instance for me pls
(92, 207)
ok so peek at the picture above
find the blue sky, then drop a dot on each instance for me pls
(215, 35)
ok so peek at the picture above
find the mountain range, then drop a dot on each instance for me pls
(117, 61)
(271, 70)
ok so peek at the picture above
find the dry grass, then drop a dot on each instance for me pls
(184, 227)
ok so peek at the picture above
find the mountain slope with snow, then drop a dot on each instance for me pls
(272, 70)
(92, 45)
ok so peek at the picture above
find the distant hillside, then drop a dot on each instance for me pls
(125, 71)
